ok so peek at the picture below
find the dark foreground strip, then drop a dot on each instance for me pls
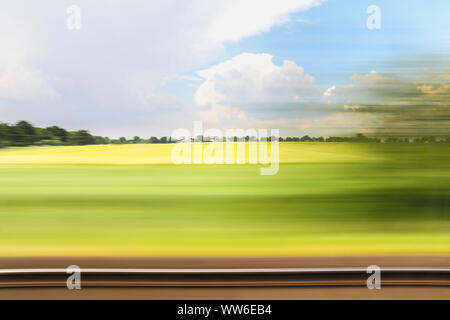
(250, 277)
(248, 309)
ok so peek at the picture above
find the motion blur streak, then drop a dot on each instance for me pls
(328, 198)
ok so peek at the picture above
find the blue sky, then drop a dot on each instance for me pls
(332, 42)
(150, 67)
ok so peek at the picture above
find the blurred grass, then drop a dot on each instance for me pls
(328, 198)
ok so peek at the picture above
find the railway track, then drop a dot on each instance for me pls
(232, 277)
(226, 278)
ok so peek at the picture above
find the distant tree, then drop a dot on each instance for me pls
(122, 140)
(81, 137)
(22, 134)
(392, 140)
(101, 140)
(43, 134)
(153, 140)
(4, 135)
(58, 132)
(306, 139)
(136, 139)
(337, 139)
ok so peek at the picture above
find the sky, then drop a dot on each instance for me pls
(147, 68)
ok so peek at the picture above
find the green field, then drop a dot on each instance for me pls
(129, 200)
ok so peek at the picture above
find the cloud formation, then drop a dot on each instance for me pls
(19, 80)
(250, 90)
(111, 69)
(252, 83)
(238, 19)
(119, 73)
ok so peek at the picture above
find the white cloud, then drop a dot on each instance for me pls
(238, 19)
(180, 77)
(252, 83)
(249, 90)
(252, 78)
(19, 80)
(111, 69)
(329, 91)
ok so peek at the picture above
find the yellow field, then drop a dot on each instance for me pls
(161, 154)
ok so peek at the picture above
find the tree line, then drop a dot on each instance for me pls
(24, 133)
